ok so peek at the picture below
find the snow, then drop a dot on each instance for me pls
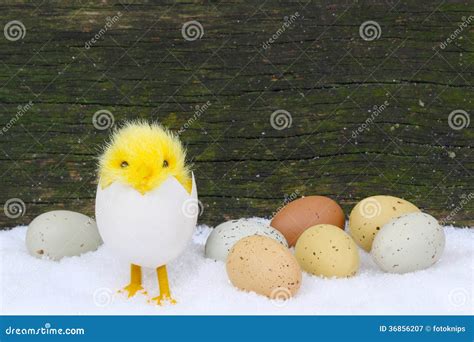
(88, 284)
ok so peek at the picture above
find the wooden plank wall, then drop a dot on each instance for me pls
(356, 112)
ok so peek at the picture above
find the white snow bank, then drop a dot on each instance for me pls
(88, 285)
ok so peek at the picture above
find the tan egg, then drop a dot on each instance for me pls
(370, 214)
(297, 216)
(262, 265)
(326, 250)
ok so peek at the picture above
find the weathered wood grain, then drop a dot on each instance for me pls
(320, 70)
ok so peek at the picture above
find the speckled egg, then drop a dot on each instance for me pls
(61, 233)
(409, 243)
(326, 250)
(297, 216)
(226, 235)
(262, 265)
(370, 214)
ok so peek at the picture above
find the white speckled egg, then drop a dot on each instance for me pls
(61, 233)
(409, 243)
(226, 235)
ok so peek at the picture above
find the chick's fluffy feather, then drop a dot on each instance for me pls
(143, 155)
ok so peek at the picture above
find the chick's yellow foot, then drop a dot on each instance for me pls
(135, 282)
(162, 299)
(131, 289)
(165, 294)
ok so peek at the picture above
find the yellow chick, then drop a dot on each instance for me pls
(143, 156)
(144, 184)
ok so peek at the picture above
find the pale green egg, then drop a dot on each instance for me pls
(61, 233)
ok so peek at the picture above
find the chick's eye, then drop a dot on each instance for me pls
(124, 164)
(165, 163)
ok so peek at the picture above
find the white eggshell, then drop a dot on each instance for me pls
(409, 243)
(61, 233)
(226, 235)
(147, 230)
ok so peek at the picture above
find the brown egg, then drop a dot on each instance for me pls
(262, 265)
(297, 216)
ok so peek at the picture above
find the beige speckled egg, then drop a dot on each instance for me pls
(326, 250)
(370, 214)
(408, 243)
(262, 265)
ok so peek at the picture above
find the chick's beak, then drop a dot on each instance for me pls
(144, 179)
